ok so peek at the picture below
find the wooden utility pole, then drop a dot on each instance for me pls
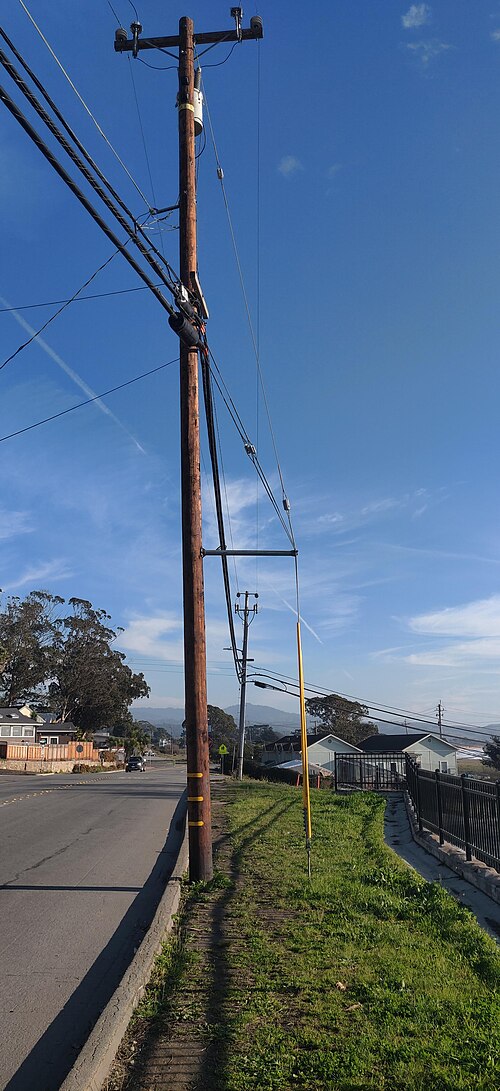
(245, 614)
(440, 711)
(195, 680)
(195, 684)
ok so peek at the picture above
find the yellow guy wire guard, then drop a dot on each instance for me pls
(305, 768)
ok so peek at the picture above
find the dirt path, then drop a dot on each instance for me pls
(183, 1048)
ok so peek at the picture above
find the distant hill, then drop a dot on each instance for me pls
(171, 718)
(266, 714)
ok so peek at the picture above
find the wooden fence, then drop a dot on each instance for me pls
(71, 751)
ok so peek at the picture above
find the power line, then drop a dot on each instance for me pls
(84, 104)
(88, 401)
(248, 445)
(57, 313)
(373, 708)
(212, 446)
(134, 231)
(62, 172)
(75, 299)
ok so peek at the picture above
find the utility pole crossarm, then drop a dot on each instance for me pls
(249, 552)
(131, 45)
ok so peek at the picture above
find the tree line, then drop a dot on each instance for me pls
(57, 656)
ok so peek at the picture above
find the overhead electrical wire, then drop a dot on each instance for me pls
(57, 313)
(61, 171)
(220, 175)
(219, 447)
(88, 401)
(212, 446)
(84, 104)
(141, 127)
(372, 708)
(349, 696)
(171, 280)
(75, 299)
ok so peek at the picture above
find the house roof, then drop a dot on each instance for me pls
(293, 742)
(14, 715)
(394, 744)
(65, 727)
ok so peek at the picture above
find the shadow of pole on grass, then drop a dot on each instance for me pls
(223, 975)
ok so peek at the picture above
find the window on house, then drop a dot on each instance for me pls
(54, 740)
(16, 730)
(443, 766)
(5, 732)
(418, 759)
(28, 732)
(43, 740)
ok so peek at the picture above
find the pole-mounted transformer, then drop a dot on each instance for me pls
(187, 333)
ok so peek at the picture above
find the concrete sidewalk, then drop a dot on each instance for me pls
(398, 836)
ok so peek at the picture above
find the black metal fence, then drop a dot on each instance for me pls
(375, 772)
(460, 809)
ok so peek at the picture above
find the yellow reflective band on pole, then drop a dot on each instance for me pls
(186, 106)
(195, 774)
(195, 799)
(303, 742)
(196, 823)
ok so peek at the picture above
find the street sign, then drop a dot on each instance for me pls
(223, 749)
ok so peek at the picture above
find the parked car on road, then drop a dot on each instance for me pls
(135, 764)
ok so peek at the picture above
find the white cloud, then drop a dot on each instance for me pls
(475, 619)
(469, 652)
(39, 575)
(495, 35)
(426, 51)
(376, 506)
(333, 170)
(158, 637)
(416, 16)
(288, 165)
(13, 523)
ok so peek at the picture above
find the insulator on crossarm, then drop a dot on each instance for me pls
(286, 503)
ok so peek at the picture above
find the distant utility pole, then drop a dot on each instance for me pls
(439, 714)
(247, 613)
(195, 681)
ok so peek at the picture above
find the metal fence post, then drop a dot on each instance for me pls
(439, 807)
(336, 781)
(417, 800)
(498, 815)
(361, 781)
(465, 808)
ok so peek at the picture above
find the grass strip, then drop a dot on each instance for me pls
(367, 977)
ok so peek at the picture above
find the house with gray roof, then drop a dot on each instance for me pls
(428, 751)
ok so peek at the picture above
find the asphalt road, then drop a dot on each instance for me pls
(83, 863)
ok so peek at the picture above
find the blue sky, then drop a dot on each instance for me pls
(375, 295)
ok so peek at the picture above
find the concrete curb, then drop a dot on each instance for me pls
(473, 871)
(95, 1060)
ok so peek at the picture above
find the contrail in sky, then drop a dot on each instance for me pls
(70, 372)
(293, 611)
